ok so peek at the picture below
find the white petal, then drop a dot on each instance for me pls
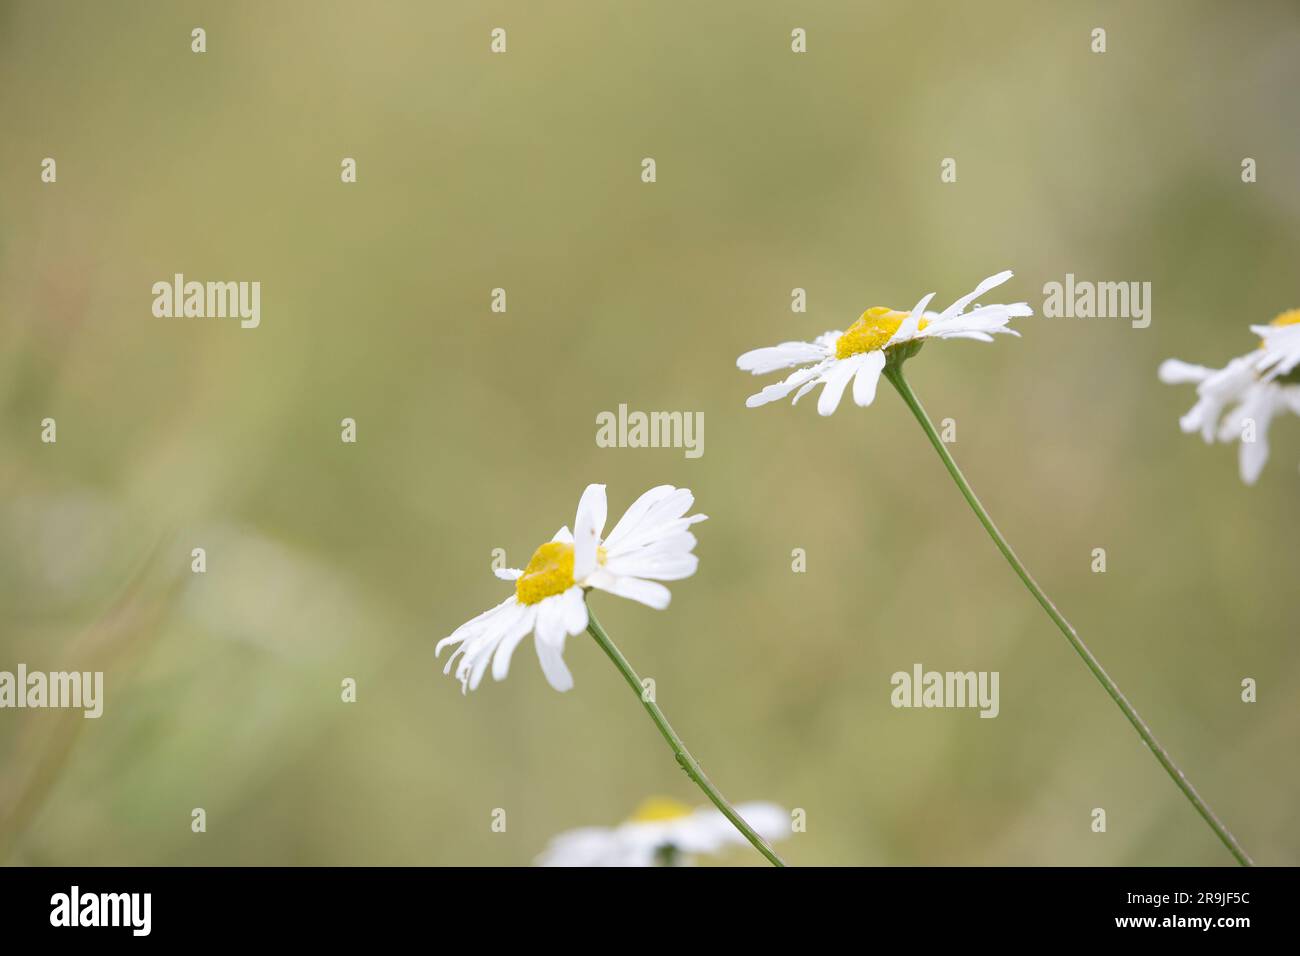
(707, 830)
(868, 377)
(704, 831)
(1201, 417)
(478, 664)
(764, 360)
(674, 539)
(804, 389)
(508, 574)
(1261, 405)
(1281, 348)
(478, 639)
(590, 847)
(587, 529)
(634, 515)
(1252, 458)
(659, 522)
(836, 379)
(553, 666)
(772, 822)
(987, 318)
(564, 535)
(992, 282)
(522, 628)
(573, 611)
(649, 532)
(779, 390)
(1174, 372)
(550, 620)
(977, 336)
(648, 593)
(671, 507)
(474, 625)
(907, 330)
(1235, 382)
(660, 565)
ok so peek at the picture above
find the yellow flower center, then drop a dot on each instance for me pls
(549, 572)
(658, 809)
(873, 329)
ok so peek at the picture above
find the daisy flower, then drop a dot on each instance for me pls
(879, 335)
(662, 832)
(880, 343)
(1239, 401)
(652, 542)
(1280, 340)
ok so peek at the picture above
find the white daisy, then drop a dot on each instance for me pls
(1280, 341)
(1239, 401)
(662, 832)
(879, 335)
(651, 542)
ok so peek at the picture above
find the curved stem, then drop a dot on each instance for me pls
(895, 376)
(684, 758)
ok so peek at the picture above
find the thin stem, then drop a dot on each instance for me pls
(684, 758)
(895, 376)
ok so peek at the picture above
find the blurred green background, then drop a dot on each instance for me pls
(477, 431)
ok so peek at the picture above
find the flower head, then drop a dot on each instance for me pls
(662, 832)
(652, 542)
(880, 335)
(1280, 342)
(1239, 401)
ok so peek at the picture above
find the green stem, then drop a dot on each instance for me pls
(684, 758)
(895, 375)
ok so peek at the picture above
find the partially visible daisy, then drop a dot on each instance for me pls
(662, 832)
(860, 353)
(652, 542)
(1280, 340)
(1239, 401)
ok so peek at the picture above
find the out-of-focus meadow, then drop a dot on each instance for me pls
(477, 431)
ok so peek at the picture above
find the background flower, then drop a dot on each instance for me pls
(1237, 403)
(858, 353)
(650, 543)
(663, 832)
